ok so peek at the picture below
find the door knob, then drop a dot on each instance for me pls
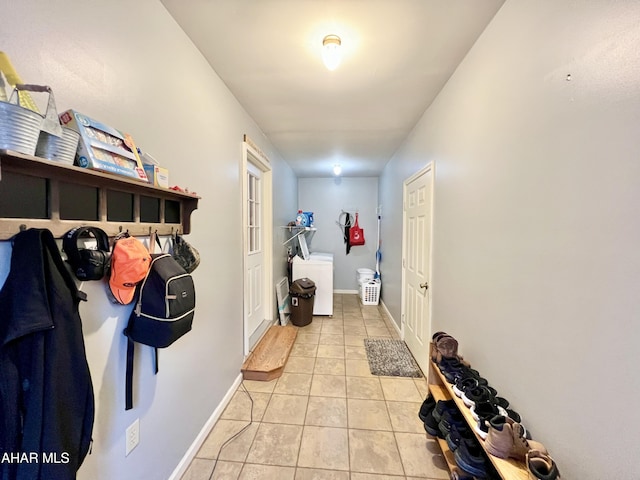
(424, 285)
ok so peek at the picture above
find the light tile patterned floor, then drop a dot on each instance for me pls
(327, 417)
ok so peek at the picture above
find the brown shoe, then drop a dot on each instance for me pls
(541, 466)
(507, 439)
(434, 347)
(446, 347)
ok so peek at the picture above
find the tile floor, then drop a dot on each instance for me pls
(327, 417)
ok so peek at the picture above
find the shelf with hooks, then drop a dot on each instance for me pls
(38, 193)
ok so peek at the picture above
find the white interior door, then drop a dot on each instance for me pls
(254, 297)
(258, 245)
(417, 264)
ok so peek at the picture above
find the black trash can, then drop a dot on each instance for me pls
(302, 293)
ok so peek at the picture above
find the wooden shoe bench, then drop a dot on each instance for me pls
(440, 389)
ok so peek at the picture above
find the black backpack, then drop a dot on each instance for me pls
(163, 311)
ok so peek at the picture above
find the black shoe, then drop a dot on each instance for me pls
(463, 384)
(453, 374)
(513, 414)
(503, 402)
(447, 364)
(449, 419)
(471, 458)
(478, 394)
(482, 412)
(431, 426)
(458, 435)
(427, 406)
(443, 406)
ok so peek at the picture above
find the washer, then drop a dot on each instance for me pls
(319, 268)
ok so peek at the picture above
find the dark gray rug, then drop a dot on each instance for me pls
(390, 358)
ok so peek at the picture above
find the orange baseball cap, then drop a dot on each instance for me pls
(130, 262)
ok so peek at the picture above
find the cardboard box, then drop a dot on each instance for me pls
(157, 176)
(104, 148)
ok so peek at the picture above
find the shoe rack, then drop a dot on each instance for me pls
(440, 389)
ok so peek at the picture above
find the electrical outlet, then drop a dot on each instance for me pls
(133, 436)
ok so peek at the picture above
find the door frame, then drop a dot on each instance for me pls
(405, 185)
(251, 154)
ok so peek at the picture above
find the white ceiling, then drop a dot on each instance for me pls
(397, 56)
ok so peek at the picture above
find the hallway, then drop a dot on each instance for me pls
(327, 417)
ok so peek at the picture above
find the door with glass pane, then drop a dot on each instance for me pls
(254, 301)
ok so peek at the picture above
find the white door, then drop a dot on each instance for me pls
(257, 239)
(254, 297)
(417, 264)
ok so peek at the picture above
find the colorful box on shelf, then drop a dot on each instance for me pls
(158, 176)
(104, 148)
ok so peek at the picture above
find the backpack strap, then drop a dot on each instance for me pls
(129, 372)
(129, 375)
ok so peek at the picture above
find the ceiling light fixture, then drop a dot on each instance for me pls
(337, 169)
(331, 54)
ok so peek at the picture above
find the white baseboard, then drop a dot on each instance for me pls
(206, 429)
(386, 310)
(355, 292)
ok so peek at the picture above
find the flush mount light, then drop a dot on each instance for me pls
(337, 169)
(331, 55)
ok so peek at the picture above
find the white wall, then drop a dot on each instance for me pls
(326, 198)
(129, 65)
(536, 262)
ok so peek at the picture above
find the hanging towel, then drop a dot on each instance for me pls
(347, 227)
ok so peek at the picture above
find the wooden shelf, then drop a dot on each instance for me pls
(442, 390)
(170, 210)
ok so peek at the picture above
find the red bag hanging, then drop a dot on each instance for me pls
(356, 234)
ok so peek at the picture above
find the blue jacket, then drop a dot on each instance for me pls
(46, 395)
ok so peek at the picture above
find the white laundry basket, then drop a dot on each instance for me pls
(370, 292)
(364, 275)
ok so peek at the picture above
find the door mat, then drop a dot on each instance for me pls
(390, 358)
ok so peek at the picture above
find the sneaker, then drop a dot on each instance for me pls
(541, 466)
(483, 412)
(463, 384)
(431, 426)
(445, 347)
(457, 435)
(449, 419)
(477, 395)
(432, 346)
(427, 406)
(516, 416)
(452, 375)
(508, 439)
(471, 459)
(450, 364)
(487, 409)
(443, 406)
